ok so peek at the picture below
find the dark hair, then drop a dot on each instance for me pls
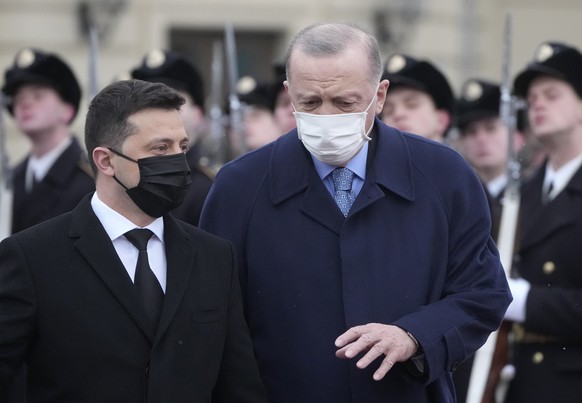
(107, 123)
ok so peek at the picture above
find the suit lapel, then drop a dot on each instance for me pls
(180, 255)
(93, 243)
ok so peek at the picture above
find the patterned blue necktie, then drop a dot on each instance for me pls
(344, 195)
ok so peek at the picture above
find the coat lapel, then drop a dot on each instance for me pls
(389, 168)
(292, 172)
(93, 243)
(180, 255)
(319, 205)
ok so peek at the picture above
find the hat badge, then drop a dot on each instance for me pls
(473, 91)
(544, 52)
(155, 59)
(245, 85)
(395, 64)
(25, 58)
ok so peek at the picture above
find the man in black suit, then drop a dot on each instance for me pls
(98, 319)
(55, 175)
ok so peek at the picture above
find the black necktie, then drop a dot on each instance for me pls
(547, 192)
(147, 284)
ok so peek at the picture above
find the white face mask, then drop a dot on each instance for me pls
(333, 139)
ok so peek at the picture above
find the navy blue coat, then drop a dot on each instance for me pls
(414, 251)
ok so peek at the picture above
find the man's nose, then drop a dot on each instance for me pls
(328, 109)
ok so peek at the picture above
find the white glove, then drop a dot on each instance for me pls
(519, 289)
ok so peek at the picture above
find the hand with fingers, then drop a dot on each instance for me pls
(375, 340)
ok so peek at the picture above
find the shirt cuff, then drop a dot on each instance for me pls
(519, 289)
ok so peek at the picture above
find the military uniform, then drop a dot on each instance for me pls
(65, 184)
(173, 69)
(547, 353)
(67, 181)
(479, 100)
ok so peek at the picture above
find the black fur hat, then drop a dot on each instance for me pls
(552, 59)
(38, 67)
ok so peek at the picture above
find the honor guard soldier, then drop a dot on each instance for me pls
(547, 307)
(55, 175)
(174, 70)
(260, 126)
(419, 99)
(484, 142)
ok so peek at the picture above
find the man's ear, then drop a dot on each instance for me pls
(68, 112)
(381, 96)
(444, 119)
(102, 160)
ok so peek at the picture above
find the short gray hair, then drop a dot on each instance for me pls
(332, 39)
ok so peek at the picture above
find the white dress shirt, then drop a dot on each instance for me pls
(117, 225)
(496, 186)
(37, 168)
(560, 178)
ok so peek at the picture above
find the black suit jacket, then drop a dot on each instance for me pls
(63, 187)
(71, 312)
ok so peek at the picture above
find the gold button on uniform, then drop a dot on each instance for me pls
(549, 267)
(537, 358)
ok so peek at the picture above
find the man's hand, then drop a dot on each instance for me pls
(376, 339)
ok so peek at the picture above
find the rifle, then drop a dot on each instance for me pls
(93, 61)
(237, 132)
(6, 191)
(215, 144)
(490, 374)
(90, 29)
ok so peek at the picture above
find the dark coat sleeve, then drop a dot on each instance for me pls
(17, 309)
(238, 379)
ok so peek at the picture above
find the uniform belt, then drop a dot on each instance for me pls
(520, 335)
